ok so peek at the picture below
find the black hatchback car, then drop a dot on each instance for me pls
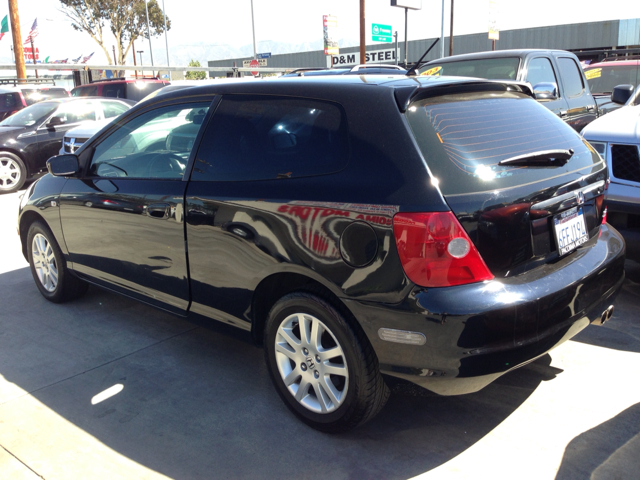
(444, 231)
(31, 136)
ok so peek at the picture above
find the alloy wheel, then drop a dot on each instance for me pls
(311, 363)
(44, 262)
(9, 173)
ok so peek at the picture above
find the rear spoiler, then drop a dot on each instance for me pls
(406, 95)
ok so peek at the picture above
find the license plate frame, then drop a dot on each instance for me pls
(569, 230)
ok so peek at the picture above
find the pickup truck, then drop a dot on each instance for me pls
(556, 77)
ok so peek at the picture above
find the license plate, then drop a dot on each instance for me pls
(570, 229)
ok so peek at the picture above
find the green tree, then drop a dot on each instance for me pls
(195, 75)
(126, 19)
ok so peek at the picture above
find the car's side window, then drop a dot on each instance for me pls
(266, 138)
(75, 112)
(540, 70)
(113, 109)
(571, 77)
(155, 144)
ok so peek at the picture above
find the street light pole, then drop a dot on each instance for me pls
(140, 52)
(442, 32)
(363, 43)
(451, 32)
(166, 42)
(405, 37)
(253, 31)
(146, 6)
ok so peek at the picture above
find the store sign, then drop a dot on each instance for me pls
(330, 33)
(28, 54)
(494, 30)
(374, 56)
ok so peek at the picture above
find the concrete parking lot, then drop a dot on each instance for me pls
(107, 388)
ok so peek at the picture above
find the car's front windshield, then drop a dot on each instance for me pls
(30, 116)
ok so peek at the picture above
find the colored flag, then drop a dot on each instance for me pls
(33, 33)
(5, 26)
(46, 60)
(76, 60)
(86, 59)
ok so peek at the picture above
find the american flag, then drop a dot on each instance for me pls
(33, 33)
(76, 60)
(85, 59)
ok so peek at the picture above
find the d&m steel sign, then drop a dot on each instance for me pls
(373, 56)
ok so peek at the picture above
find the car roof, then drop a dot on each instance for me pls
(497, 54)
(613, 63)
(122, 80)
(332, 87)
(77, 99)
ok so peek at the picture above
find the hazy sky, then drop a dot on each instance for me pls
(215, 22)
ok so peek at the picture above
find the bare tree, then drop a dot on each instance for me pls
(125, 19)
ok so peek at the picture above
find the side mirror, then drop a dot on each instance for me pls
(63, 166)
(546, 91)
(55, 121)
(621, 93)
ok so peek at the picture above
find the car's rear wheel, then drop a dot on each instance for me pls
(49, 268)
(12, 172)
(323, 368)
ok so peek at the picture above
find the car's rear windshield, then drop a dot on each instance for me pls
(491, 68)
(602, 79)
(464, 137)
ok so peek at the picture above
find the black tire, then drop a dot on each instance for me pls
(67, 286)
(13, 173)
(363, 391)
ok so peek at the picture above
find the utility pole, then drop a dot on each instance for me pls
(363, 57)
(18, 51)
(451, 32)
(33, 54)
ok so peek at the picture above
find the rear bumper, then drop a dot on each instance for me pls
(476, 333)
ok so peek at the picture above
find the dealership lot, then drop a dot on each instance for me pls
(195, 401)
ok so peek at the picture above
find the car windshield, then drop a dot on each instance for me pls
(30, 115)
(491, 68)
(602, 79)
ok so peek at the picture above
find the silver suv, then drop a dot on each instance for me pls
(616, 137)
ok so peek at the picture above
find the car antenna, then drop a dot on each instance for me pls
(412, 69)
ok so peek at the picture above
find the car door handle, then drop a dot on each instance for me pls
(159, 210)
(591, 108)
(563, 113)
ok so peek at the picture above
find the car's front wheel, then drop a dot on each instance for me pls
(49, 268)
(323, 368)
(12, 172)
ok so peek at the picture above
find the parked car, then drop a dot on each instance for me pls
(603, 77)
(353, 225)
(15, 98)
(557, 79)
(33, 135)
(126, 88)
(616, 137)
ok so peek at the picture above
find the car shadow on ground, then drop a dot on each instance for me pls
(198, 402)
(607, 451)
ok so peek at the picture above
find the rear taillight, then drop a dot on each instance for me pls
(604, 216)
(435, 251)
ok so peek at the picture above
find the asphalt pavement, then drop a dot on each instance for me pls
(107, 388)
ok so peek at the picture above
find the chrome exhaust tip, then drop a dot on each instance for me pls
(606, 315)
